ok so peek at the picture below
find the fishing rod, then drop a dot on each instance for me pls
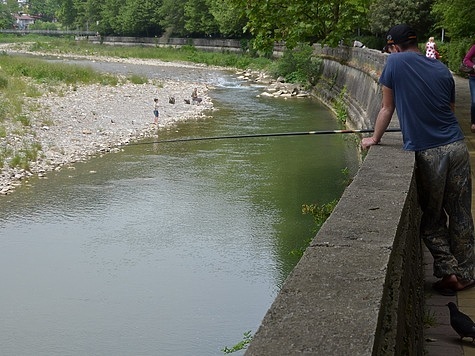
(278, 134)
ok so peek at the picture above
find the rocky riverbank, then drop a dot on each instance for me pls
(70, 124)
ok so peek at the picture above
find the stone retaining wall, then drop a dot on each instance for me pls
(358, 289)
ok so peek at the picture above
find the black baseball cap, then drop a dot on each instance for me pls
(400, 34)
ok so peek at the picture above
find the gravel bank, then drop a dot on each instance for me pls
(73, 123)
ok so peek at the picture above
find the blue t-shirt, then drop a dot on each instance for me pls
(423, 90)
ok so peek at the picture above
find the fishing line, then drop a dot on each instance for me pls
(278, 134)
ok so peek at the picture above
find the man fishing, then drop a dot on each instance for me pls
(422, 91)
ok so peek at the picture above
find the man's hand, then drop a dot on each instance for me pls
(367, 142)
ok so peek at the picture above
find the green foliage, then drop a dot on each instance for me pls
(320, 213)
(199, 19)
(137, 79)
(429, 319)
(45, 26)
(230, 18)
(172, 17)
(47, 8)
(23, 119)
(346, 176)
(454, 52)
(6, 19)
(45, 72)
(3, 81)
(138, 18)
(23, 157)
(262, 23)
(67, 12)
(340, 107)
(298, 65)
(4, 154)
(456, 17)
(301, 21)
(247, 338)
(383, 15)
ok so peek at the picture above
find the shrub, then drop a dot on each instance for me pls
(456, 50)
(298, 66)
(138, 79)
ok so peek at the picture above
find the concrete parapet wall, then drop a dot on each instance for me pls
(205, 44)
(358, 289)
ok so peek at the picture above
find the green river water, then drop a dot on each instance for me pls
(168, 249)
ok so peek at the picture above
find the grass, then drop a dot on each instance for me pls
(429, 318)
(63, 45)
(45, 72)
(22, 78)
(23, 157)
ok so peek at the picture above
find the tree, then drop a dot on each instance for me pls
(301, 20)
(198, 18)
(383, 15)
(456, 16)
(110, 22)
(6, 18)
(139, 18)
(87, 14)
(171, 16)
(67, 13)
(229, 18)
(45, 8)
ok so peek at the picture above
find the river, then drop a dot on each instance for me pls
(168, 249)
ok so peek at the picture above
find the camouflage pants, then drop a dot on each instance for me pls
(444, 186)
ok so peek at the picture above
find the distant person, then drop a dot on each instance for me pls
(155, 111)
(431, 49)
(358, 44)
(194, 97)
(469, 60)
(423, 93)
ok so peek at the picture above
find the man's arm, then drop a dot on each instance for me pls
(382, 121)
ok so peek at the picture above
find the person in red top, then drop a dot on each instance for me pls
(469, 60)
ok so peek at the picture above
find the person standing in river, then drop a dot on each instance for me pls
(423, 93)
(155, 112)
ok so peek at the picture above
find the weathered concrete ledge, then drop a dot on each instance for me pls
(358, 289)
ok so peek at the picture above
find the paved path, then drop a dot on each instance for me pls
(440, 338)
